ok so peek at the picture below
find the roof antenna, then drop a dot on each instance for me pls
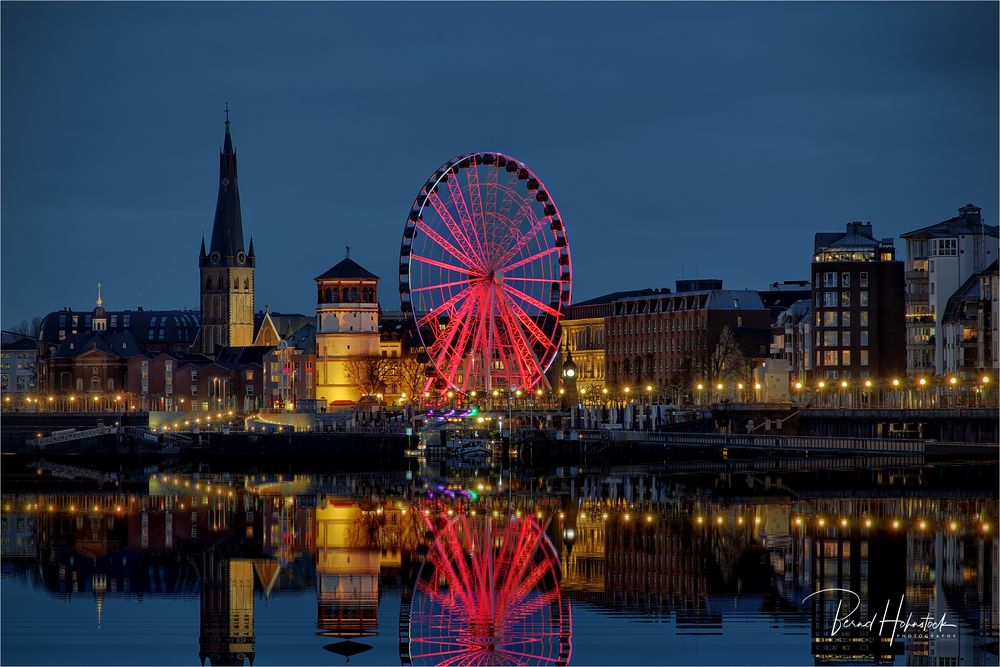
(99, 301)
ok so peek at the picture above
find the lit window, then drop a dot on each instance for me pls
(864, 279)
(863, 299)
(845, 279)
(845, 299)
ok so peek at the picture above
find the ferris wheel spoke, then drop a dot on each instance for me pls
(441, 346)
(465, 259)
(458, 350)
(476, 198)
(478, 342)
(458, 199)
(443, 265)
(527, 298)
(501, 348)
(441, 308)
(530, 259)
(524, 239)
(536, 280)
(455, 229)
(532, 328)
(526, 360)
(427, 288)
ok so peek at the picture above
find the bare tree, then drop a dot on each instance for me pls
(411, 374)
(26, 328)
(731, 360)
(370, 374)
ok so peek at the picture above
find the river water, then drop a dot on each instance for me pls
(691, 562)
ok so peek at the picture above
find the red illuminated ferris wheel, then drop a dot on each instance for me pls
(487, 596)
(485, 273)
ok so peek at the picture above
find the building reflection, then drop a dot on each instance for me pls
(227, 610)
(347, 575)
(631, 541)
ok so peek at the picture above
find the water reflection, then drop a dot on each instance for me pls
(696, 549)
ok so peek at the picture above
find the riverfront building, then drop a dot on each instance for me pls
(940, 260)
(347, 316)
(857, 286)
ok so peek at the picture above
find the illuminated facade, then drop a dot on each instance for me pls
(227, 268)
(347, 316)
(939, 259)
(227, 611)
(858, 296)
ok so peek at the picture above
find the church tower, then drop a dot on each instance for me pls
(346, 328)
(227, 286)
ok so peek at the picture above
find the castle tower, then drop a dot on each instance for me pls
(346, 328)
(227, 286)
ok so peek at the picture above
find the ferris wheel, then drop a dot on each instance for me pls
(487, 596)
(485, 273)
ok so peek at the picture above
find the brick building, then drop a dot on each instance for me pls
(671, 340)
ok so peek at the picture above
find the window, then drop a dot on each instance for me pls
(864, 338)
(249, 390)
(249, 376)
(944, 246)
(863, 299)
(845, 299)
(830, 279)
(831, 358)
(863, 318)
(864, 357)
(845, 338)
(830, 299)
(830, 318)
(864, 279)
(818, 318)
(194, 390)
(829, 338)
(846, 355)
(194, 376)
(845, 318)
(845, 279)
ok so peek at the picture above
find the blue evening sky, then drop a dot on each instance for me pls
(677, 139)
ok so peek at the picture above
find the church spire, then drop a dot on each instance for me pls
(251, 252)
(227, 230)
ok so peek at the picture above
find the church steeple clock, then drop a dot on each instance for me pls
(227, 270)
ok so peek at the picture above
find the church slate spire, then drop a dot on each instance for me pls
(226, 271)
(227, 230)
